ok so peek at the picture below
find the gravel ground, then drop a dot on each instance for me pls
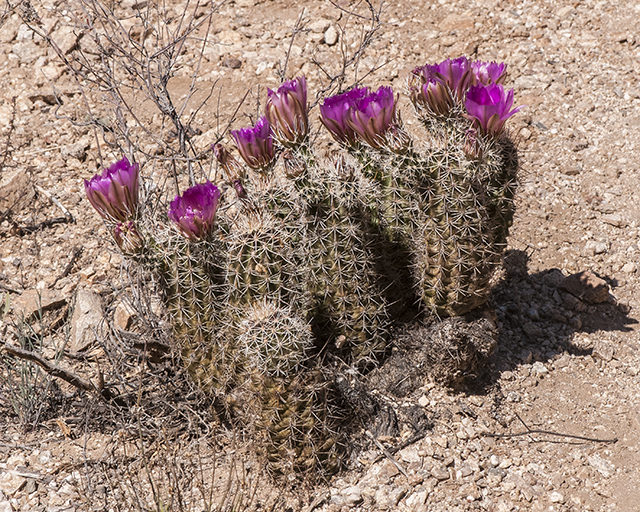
(568, 358)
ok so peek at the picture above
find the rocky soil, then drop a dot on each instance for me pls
(553, 425)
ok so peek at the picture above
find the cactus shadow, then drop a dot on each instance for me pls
(530, 317)
(540, 317)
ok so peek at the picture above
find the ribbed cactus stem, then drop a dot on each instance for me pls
(297, 426)
(350, 310)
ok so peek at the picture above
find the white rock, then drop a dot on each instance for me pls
(331, 36)
(539, 368)
(87, 316)
(604, 467)
(556, 497)
(319, 26)
(416, 499)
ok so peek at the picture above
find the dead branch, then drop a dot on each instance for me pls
(32, 228)
(51, 198)
(7, 144)
(59, 372)
(550, 433)
(387, 454)
(77, 252)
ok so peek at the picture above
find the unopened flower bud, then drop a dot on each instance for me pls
(128, 237)
(288, 112)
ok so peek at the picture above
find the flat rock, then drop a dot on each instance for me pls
(586, 286)
(87, 316)
(604, 351)
(456, 22)
(417, 499)
(66, 38)
(10, 483)
(27, 305)
(440, 473)
(16, 190)
(123, 316)
(602, 466)
(27, 51)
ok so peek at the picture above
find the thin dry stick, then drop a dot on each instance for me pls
(51, 198)
(550, 433)
(387, 454)
(296, 29)
(7, 144)
(57, 371)
(77, 251)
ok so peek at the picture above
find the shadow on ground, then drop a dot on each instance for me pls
(529, 318)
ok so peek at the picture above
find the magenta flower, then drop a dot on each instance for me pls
(114, 193)
(288, 112)
(373, 115)
(457, 75)
(488, 72)
(128, 238)
(255, 144)
(428, 89)
(336, 111)
(194, 211)
(489, 107)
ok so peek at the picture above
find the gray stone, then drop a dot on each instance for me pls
(66, 39)
(16, 190)
(410, 454)
(495, 475)
(417, 499)
(603, 351)
(331, 36)
(532, 329)
(604, 467)
(593, 247)
(440, 473)
(76, 150)
(319, 26)
(539, 368)
(27, 51)
(232, 62)
(10, 482)
(350, 496)
(10, 28)
(87, 316)
(388, 497)
(615, 219)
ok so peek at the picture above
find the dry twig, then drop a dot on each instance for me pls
(57, 371)
(550, 433)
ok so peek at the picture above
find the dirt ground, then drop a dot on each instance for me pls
(567, 363)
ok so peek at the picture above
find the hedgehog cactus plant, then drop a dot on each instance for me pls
(323, 253)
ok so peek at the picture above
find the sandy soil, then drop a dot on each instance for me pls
(566, 363)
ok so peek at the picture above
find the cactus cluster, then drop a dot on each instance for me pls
(317, 253)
